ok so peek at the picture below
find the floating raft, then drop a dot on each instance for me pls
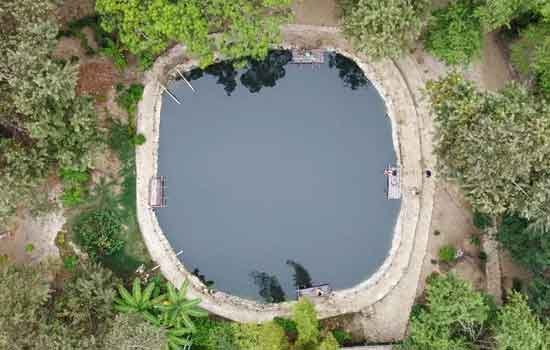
(308, 56)
(157, 192)
(394, 182)
(320, 290)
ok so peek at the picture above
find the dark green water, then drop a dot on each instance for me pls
(275, 171)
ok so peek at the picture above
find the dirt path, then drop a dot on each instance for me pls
(316, 12)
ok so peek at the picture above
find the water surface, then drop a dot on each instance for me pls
(275, 173)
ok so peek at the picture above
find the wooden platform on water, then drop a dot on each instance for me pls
(320, 290)
(302, 56)
(157, 192)
(393, 175)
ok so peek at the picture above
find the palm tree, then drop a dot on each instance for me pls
(138, 301)
(177, 310)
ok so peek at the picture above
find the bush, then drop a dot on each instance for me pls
(288, 325)
(530, 54)
(482, 221)
(97, 231)
(342, 337)
(212, 335)
(454, 33)
(306, 323)
(475, 240)
(447, 254)
(138, 139)
(526, 246)
(74, 186)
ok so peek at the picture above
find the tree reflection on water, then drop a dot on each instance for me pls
(269, 287)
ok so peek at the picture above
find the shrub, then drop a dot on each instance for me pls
(74, 186)
(482, 221)
(29, 247)
(329, 343)
(526, 246)
(306, 323)
(70, 262)
(475, 240)
(454, 33)
(287, 324)
(447, 254)
(530, 54)
(97, 232)
(342, 337)
(138, 139)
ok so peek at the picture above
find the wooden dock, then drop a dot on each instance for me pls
(157, 192)
(301, 56)
(393, 175)
(320, 290)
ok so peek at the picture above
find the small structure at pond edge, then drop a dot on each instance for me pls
(394, 182)
(320, 290)
(157, 192)
(308, 56)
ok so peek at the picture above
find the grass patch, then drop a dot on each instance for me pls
(120, 204)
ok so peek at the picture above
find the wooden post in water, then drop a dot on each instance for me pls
(185, 79)
(170, 94)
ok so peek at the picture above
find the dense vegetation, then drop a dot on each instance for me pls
(92, 310)
(456, 317)
(454, 33)
(495, 145)
(235, 29)
(43, 123)
(383, 28)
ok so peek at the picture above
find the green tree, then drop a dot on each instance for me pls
(383, 28)
(243, 28)
(454, 317)
(43, 123)
(518, 329)
(498, 13)
(454, 33)
(305, 316)
(527, 246)
(495, 145)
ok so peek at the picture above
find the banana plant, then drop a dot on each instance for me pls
(178, 339)
(176, 310)
(138, 301)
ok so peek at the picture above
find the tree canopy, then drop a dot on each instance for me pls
(495, 145)
(454, 33)
(383, 28)
(236, 28)
(43, 123)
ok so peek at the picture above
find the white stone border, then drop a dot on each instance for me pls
(406, 129)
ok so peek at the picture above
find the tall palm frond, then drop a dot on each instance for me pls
(177, 311)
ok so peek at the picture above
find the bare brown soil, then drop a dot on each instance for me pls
(452, 225)
(96, 77)
(316, 12)
(71, 10)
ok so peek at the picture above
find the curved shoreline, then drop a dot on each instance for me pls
(410, 237)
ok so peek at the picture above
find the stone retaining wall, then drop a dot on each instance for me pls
(410, 237)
